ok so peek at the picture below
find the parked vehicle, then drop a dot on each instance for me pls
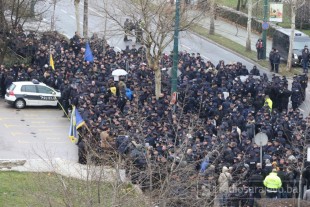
(281, 41)
(31, 93)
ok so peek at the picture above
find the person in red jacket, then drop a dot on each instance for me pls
(259, 49)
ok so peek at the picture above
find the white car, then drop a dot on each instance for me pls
(31, 93)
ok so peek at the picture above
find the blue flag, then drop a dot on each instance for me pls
(88, 54)
(76, 121)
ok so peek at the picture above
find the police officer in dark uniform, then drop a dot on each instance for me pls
(303, 83)
(296, 93)
(271, 56)
(276, 61)
(65, 96)
(285, 95)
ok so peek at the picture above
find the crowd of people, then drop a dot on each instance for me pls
(210, 128)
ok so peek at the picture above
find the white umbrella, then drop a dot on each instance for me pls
(169, 72)
(119, 72)
(243, 78)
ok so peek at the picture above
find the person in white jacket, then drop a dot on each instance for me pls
(224, 181)
(307, 195)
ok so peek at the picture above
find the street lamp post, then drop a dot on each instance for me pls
(266, 9)
(175, 48)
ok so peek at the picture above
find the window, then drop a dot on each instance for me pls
(44, 89)
(29, 88)
(12, 87)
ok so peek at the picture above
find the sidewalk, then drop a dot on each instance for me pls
(234, 32)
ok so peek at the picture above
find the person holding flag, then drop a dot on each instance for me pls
(76, 121)
(88, 56)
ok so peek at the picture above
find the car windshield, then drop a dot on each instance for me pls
(301, 45)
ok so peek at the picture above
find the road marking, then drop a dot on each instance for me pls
(38, 122)
(26, 142)
(205, 57)
(93, 10)
(73, 17)
(81, 23)
(28, 118)
(301, 109)
(39, 134)
(186, 47)
(118, 48)
(45, 130)
(16, 133)
(64, 11)
(52, 138)
(30, 115)
(10, 125)
(25, 126)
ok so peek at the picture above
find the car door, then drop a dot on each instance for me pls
(47, 96)
(30, 95)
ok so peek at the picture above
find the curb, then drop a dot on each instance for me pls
(11, 163)
(229, 50)
(66, 168)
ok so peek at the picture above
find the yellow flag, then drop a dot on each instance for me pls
(52, 62)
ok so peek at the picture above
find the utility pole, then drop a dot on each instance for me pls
(174, 73)
(265, 20)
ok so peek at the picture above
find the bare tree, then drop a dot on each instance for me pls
(241, 4)
(156, 20)
(53, 16)
(13, 15)
(292, 37)
(212, 17)
(249, 26)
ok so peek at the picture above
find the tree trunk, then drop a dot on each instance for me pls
(53, 16)
(157, 72)
(32, 5)
(77, 16)
(292, 38)
(212, 14)
(85, 20)
(249, 27)
(300, 186)
(157, 82)
(238, 5)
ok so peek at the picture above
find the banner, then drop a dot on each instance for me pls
(76, 121)
(52, 62)
(276, 12)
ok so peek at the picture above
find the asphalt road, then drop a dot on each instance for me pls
(34, 133)
(66, 24)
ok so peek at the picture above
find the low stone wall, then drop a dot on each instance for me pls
(241, 19)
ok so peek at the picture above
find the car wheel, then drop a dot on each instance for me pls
(19, 104)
